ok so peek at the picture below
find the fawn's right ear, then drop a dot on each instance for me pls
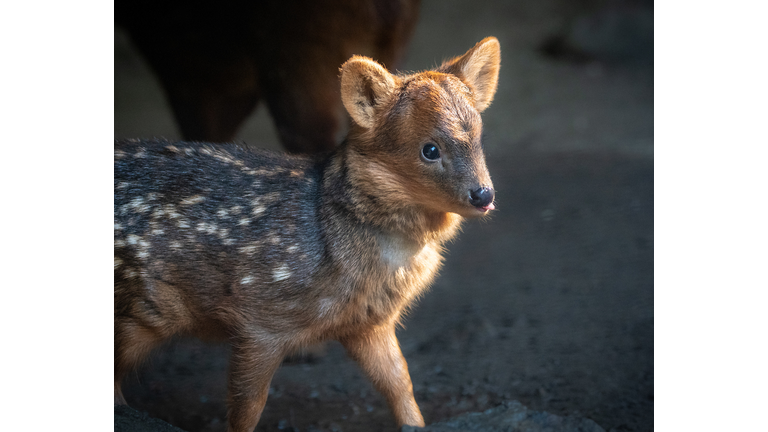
(365, 85)
(478, 67)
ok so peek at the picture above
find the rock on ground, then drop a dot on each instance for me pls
(512, 416)
(128, 419)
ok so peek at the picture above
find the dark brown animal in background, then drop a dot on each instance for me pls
(274, 252)
(216, 61)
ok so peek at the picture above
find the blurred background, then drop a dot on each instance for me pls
(548, 302)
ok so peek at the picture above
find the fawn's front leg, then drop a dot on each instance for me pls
(378, 354)
(251, 368)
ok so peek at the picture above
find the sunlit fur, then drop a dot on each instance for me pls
(275, 252)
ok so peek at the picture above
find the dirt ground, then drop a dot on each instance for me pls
(548, 302)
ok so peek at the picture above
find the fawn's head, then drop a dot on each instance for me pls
(417, 137)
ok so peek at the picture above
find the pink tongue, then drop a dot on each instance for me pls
(489, 207)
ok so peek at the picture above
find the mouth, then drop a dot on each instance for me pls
(487, 208)
(484, 210)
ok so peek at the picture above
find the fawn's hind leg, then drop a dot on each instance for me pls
(252, 365)
(133, 342)
(378, 354)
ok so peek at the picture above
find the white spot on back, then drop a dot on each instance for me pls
(138, 205)
(118, 262)
(207, 228)
(246, 280)
(258, 172)
(292, 249)
(223, 156)
(258, 210)
(143, 248)
(195, 199)
(250, 249)
(281, 273)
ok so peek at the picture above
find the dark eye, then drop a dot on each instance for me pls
(430, 152)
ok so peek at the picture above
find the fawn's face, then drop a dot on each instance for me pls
(431, 137)
(423, 131)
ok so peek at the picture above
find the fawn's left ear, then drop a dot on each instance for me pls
(479, 68)
(365, 85)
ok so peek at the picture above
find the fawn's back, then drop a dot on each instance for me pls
(213, 223)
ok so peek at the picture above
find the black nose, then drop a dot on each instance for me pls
(481, 197)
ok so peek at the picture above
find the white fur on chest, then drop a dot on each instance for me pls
(406, 258)
(397, 251)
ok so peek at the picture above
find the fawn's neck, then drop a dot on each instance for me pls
(350, 186)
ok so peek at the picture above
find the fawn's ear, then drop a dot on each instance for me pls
(479, 68)
(365, 85)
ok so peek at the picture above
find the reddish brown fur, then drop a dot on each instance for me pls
(277, 252)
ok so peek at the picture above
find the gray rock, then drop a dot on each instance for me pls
(510, 417)
(128, 419)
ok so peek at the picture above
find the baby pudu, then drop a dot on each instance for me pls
(274, 252)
